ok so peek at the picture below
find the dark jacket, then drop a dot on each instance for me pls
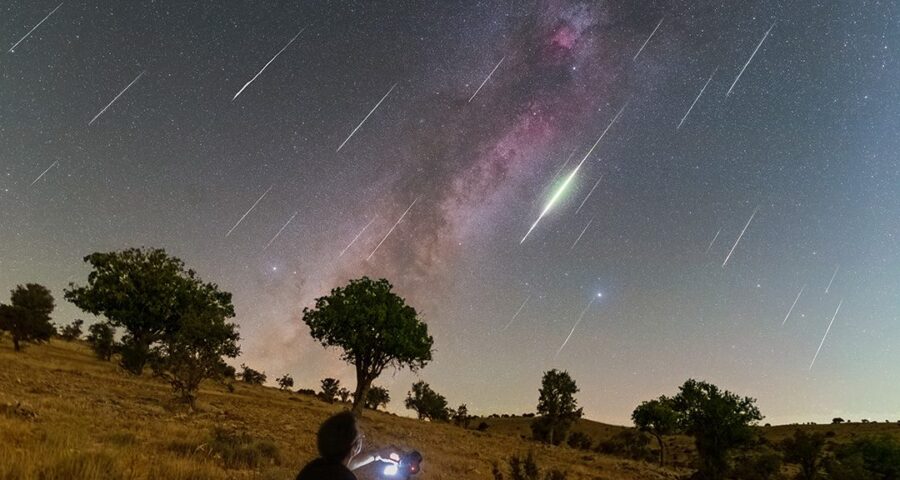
(320, 469)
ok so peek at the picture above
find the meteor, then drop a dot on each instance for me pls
(580, 318)
(713, 240)
(648, 39)
(44, 173)
(793, 305)
(832, 278)
(696, 99)
(367, 117)
(486, 79)
(568, 180)
(279, 231)
(516, 314)
(248, 211)
(354, 238)
(582, 234)
(589, 195)
(750, 59)
(392, 228)
(739, 237)
(116, 98)
(13, 48)
(267, 64)
(826, 334)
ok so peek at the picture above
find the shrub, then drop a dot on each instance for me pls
(580, 440)
(330, 389)
(525, 468)
(251, 376)
(72, 331)
(285, 382)
(307, 391)
(837, 420)
(482, 426)
(240, 450)
(764, 464)
(804, 449)
(866, 458)
(629, 443)
(377, 397)
(101, 338)
(427, 403)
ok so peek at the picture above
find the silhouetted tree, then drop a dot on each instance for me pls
(373, 327)
(101, 338)
(285, 382)
(427, 403)
(27, 317)
(658, 418)
(345, 395)
(837, 420)
(148, 293)
(378, 397)
(461, 416)
(718, 420)
(330, 389)
(557, 407)
(804, 449)
(526, 468)
(72, 331)
(251, 376)
(868, 458)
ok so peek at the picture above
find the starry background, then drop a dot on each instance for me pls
(809, 136)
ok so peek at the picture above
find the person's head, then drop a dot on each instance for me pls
(339, 438)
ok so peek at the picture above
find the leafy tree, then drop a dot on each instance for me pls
(330, 389)
(101, 338)
(580, 440)
(195, 352)
(557, 407)
(72, 331)
(285, 382)
(378, 397)
(375, 329)
(251, 376)
(804, 449)
(630, 443)
(719, 421)
(461, 416)
(868, 458)
(837, 420)
(427, 403)
(27, 317)
(345, 394)
(148, 293)
(658, 418)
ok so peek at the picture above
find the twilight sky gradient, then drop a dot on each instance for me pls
(809, 135)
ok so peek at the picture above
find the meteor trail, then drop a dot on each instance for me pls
(580, 317)
(516, 314)
(486, 79)
(696, 99)
(793, 305)
(826, 334)
(739, 237)
(588, 195)
(354, 238)
(582, 234)
(832, 278)
(564, 164)
(367, 117)
(267, 64)
(248, 212)
(713, 240)
(117, 97)
(569, 178)
(392, 228)
(44, 173)
(279, 231)
(750, 59)
(13, 48)
(648, 39)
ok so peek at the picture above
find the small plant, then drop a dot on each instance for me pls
(240, 450)
(580, 440)
(251, 376)
(525, 468)
(72, 331)
(629, 443)
(483, 426)
(285, 382)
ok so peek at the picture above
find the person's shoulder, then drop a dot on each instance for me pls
(319, 469)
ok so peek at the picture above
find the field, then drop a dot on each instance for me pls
(64, 414)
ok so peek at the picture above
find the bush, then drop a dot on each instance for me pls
(240, 450)
(330, 389)
(837, 420)
(580, 440)
(525, 468)
(764, 464)
(804, 449)
(251, 376)
(72, 331)
(285, 382)
(101, 338)
(866, 458)
(482, 426)
(307, 391)
(629, 443)
(427, 403)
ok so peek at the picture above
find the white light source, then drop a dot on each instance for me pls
(390, 470)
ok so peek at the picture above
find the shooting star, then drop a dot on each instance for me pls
(580, 318)
(116, 98)
(486, 79)
(739, 237)
(267, 64)
(356, 237)
(648, 39)
(696, 99)
(588, 195)
(279, 231)
(392, 228)
(832, 278)
(713, 240)
(826, 334)
(793, 305)
(569, 178)
(13, 48)
(511, 320)
(581, 235)
(248, 211)
(367, 117)
(43, 173)
(750, 59)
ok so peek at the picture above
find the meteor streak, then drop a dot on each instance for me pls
(750, 59)
(793, 305)
(354, 238)
(739, 237)
(486, 79)
(367, 117)
(248, 212)
(832, 278)
(116, 98)
(516, 314)
(588, 195)
(696, 99)
(279, 231)
(569, 178)
(826, 334)
(392, 228)
(648, 39)
(13, 48)
(580, 318)
(267, 64)
(44, 173)
(582, 234)
(713, 240)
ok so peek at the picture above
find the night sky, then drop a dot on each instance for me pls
(806, 144)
